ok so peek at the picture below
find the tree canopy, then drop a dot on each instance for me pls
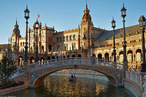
(7, 68)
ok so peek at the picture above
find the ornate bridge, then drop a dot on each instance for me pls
(38, 71)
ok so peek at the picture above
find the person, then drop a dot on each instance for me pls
(72, 76)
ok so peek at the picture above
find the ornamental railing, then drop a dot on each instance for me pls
(69, 61)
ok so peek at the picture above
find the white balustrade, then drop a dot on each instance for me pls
(134, 76)
(70, 61)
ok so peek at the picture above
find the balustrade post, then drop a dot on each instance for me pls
(92, 60)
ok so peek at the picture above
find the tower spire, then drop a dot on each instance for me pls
(16, 20)
(86, 4)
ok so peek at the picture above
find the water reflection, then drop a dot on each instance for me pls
(59, 86)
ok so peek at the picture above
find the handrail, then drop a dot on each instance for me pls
(69, 61)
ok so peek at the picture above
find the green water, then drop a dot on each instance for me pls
(59, 86)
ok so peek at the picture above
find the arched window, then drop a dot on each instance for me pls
(74, 37)
(70, 37)
(66, 38)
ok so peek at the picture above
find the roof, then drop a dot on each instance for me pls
(131, 30)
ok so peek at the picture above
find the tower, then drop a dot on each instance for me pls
(15, 38)
(86, 25)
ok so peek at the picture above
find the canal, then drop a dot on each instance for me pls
(60, 86)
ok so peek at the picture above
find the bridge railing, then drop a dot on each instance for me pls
(134, 76)
(107, 63)
(17, 72)
(76, 61)
(69, 61)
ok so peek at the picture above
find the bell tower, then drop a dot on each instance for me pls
(15, 38)
(86, 25)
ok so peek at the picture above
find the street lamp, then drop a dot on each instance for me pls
(123, 15)
(142, 23)
(26, 16)
(36, 26)
(114, 50)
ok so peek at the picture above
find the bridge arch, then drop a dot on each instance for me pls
(40, 80)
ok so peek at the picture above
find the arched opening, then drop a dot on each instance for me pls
(100, 56)
(32, 60)
(70, 37)
(94, 55)
(74, 37)
(138, 56)
(66, 38)
(121, 56)
(50, 48)
(106, 56)
(48, 58)
(68, 56)
(53, 57)
(40, 80)
(42, 60)
(73, 56)
(79, 55)
(130, 56)
(20, 61)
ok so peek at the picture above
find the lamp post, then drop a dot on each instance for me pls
(142, 23)
(123, 15)
(36, 26)
(114, 50)
(26, 16)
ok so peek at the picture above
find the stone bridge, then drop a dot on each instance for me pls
(38, 71)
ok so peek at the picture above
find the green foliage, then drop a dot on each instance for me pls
(7, 67)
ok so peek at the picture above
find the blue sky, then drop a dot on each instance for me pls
(66, 14)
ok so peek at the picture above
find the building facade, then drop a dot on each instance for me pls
(84, 41)
(53, 44)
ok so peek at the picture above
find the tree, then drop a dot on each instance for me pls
(7, 68)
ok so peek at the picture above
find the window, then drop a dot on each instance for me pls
(74, 37)
(60, 39)
(63, 38)
(57, 39)
(66, 38)
(70, 37)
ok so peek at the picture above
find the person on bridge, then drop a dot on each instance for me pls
(72, 76)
